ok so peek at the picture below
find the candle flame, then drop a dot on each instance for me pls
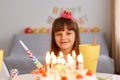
(63, 61)
(48, 57)
(54, 60)
(80, 58)
(58, 60)
(73, 54)
(70, 59)
(52, 54)
(61, 54)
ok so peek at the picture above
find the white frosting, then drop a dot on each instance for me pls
(57, 74)
(70, 75)
(52, 77)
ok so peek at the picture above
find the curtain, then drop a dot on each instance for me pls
(115, 35)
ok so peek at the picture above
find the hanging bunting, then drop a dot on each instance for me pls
(50, 19)
(55, 10)
(72, 9)
(85, 18)
(61, 10)
(80, 20)
(79, 9)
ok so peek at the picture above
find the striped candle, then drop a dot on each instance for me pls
(34, 59)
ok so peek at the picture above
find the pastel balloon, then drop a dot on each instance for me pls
(28, 30)
(95, 29)
(88, 30)
(36, 30)
(82, 29)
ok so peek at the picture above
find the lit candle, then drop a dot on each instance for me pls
(48, 57)
(74, 54)
(61, 54)
(70, 59)
(63, 61)
(70, 62)
(61, 64)
(74, 58)
(52, 59)
(34, 59)
(80, 58)
(48, 60)
(59, 60)
(80, 61)
(52, 54)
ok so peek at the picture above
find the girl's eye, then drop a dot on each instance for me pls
(69, 33)
(57, 34)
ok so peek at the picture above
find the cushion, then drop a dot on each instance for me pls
(37, 43)
(105, 64)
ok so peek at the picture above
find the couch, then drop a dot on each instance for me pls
(39, 44)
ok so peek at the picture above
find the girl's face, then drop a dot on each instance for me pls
(65, 39)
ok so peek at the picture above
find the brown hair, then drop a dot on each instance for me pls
(58, 25)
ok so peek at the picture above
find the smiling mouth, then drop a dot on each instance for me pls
(63, 42)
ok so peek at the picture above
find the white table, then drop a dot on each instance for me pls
(107, 76)
(4, 72)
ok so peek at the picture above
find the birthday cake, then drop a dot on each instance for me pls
(57, 68)
(64, 71)
(41, 74)
(58, 71)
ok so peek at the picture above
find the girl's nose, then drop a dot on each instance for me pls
(63, 36)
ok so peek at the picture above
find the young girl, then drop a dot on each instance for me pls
(65, 35)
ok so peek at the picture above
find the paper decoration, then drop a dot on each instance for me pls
(50, 19)
(55, 10)
(79, 9)
(73, 10)
(81, 21)
(85, 18)
(61, 10)
(49, 30)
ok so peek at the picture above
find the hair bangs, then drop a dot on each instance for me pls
(60, 24)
